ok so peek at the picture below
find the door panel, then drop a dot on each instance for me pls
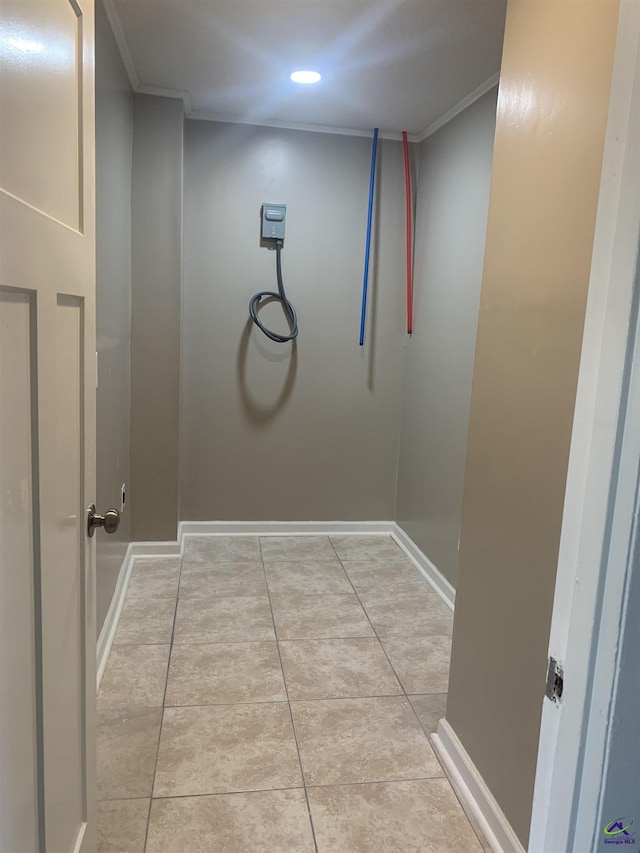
(19, 723)
(41, 72)
(47, 420)
(63, 590)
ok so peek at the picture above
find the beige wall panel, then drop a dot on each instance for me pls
(452, 197)
(19, 573)
(273, 431)
(552, 113)
(114, 139)
(40, 71)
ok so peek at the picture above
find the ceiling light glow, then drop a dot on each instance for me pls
(305, 77)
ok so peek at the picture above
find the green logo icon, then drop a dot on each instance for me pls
(617, 827)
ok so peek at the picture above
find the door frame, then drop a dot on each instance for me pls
(593, 562)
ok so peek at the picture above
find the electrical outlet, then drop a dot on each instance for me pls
(123, 496)
(273, 217)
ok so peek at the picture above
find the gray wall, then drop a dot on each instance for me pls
(305, 431)
(155, 349)
(114, 132)
(454, 176)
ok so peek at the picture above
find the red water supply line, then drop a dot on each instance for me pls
(407, 180)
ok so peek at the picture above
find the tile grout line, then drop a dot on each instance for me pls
(379, 639)
(116, 645)
(268, 701)
(406, 696)
(286, 640)
(470, 819)
(403, 693)
(286, 690)
(192, 796)
(164, 696)
(364, 610)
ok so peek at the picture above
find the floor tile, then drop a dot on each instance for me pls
(226, 748)
(146, 620)
(394, 817)
(156, 576)
(153, 584)
(222, 579)
(329, 669)
(421, 663)
(430, 709)
(127, 746)
(260, 822)
(367, 548)
(361, 740)
(308, 578)
(135, 676)
(221, 549)
(484, 844)
(408, 615)
(224, 674)
(151, 565)
(386, 576)
(228, 772)
(319, 617)
(209, 619)
(296, 548)
(122, 826)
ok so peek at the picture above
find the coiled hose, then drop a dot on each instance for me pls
(281, 296)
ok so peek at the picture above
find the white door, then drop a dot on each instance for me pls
(47, 427)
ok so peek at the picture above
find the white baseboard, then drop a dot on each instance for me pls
(474, 791)
(138, 550)
(327, 528)
(283, 528)
(435, 577)
(108, 632)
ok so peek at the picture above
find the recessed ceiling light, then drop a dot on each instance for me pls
(305, 77)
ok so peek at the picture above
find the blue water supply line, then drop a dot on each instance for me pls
(365, 283)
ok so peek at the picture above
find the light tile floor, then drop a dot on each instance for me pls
(274, 695)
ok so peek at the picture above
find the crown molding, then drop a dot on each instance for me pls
(202, 115)
(459, 107)
(121, 41)
(199, 115)
(162, 92)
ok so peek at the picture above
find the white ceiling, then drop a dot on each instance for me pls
(393, 64)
